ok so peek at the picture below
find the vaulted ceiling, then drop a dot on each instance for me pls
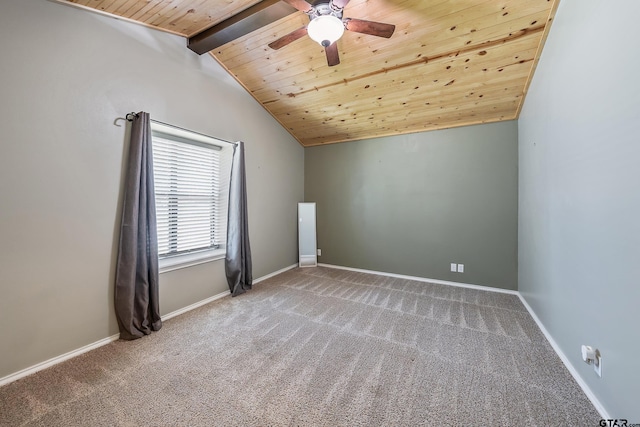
(449, 62)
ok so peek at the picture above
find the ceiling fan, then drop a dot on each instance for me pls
(326, 26)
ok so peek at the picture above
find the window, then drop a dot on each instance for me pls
(191, 177)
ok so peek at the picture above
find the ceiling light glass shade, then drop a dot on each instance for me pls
(325, 29)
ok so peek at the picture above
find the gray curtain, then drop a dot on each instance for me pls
(136, 292)
(238, 261)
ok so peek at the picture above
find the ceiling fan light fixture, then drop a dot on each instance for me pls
(325, 29)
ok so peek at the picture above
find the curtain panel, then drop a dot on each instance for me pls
(136, 288)
(238, 260)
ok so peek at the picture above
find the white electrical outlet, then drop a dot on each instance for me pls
(319, 252)
(460, 268)
(454, 267)
(597, 364)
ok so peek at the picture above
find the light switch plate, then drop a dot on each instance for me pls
(597, 364)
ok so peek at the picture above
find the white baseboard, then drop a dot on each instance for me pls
(576, 376)
(195, 305)
(424, 279)
(222, 294)
(275, 273)
(58, 359)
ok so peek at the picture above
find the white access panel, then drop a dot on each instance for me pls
(307, 244)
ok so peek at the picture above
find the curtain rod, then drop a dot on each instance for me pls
(130, 119)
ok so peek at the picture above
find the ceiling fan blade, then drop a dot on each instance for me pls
(340, 4)
(333, 58)
(301, 5)
(286, 39)
(369, 27)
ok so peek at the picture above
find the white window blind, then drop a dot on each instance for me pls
(191, 189)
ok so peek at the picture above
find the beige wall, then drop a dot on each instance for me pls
(66, 76)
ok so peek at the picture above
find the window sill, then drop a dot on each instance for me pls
(189, 260)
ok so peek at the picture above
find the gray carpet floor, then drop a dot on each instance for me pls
(318, 347)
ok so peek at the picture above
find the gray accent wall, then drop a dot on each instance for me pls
(66, 77)
(579, 228)
(415, 203)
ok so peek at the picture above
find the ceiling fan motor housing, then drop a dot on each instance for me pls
(322, 9)
(325, 8)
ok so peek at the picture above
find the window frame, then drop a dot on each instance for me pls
(188, 259)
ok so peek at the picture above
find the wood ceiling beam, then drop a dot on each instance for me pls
(245, 22)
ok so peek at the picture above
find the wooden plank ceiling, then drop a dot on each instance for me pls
(449, 63)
